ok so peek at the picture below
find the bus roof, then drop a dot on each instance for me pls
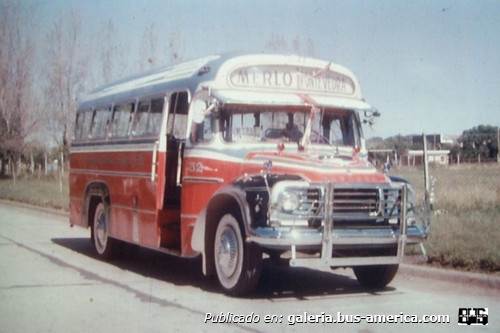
(243, 78)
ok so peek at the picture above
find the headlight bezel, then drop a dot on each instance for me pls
(291, 205)
(289, 202)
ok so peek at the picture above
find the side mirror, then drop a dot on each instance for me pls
(372, 113)
(370, 116)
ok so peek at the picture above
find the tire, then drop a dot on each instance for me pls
(238, 264)
(105, 246)
(375, 277)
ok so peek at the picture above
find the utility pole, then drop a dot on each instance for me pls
(426, 169)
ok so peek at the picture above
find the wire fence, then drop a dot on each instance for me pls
(455, 187)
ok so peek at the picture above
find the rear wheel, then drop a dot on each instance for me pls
(106, 246)
(376, 276)
(237, 263)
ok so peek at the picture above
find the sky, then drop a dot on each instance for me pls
(428, 66)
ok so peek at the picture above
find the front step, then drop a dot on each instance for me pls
(171, 236)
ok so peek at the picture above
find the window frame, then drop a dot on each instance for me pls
(97, 110)
(79, 134)
(146, 133)
(111, 130)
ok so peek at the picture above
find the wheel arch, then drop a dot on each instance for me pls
(95, 192)
(230, 200)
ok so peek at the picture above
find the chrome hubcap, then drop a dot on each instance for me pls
(101, 232)
(227, 256)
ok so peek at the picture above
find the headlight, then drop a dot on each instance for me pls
(289, 202)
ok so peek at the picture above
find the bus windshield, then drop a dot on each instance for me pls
(317, 126)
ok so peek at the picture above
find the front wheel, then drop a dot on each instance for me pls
(106, 246)
(376, 276)
(238, 264)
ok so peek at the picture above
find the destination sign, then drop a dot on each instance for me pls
(292, 78)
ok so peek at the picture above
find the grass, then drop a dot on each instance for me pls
(44, 192)
(465, 226)
(466, 240)
(458, 188)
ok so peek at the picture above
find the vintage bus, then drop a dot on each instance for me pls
(239, 158)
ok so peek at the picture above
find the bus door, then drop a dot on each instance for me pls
(178, 107)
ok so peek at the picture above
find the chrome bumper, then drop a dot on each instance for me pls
(326, 241)
(282, 238)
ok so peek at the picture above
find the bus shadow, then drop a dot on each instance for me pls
(277, 282)
(281, 282)
(147, 263)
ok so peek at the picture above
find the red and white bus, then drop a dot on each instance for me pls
(238, 158)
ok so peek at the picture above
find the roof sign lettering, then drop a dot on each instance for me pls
(292, 78)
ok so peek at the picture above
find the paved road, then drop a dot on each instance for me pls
(51, 281)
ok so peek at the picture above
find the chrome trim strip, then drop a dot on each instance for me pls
(210, 180)
(130, 208)
(112, 148)
(111, 173)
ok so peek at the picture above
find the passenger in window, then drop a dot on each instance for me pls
(291, 133)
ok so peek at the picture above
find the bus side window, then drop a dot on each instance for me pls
(177, 115)
(141, 118)
(83, 123)
(100, 123)
(148, 117)
(80, 119)
(122, 115)
(155, 115)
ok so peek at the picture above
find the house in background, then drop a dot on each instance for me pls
(434, 141)
(416, 157)
(435, 152)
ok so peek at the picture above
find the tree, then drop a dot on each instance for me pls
(18, 105)
(479, 142)
(279, 44)
(399, 143)
(66, 76)
(376, 143)
(148, 54)
(276, 44)
(298, 47)
(175, 47)
(152, 53)
(111, 68)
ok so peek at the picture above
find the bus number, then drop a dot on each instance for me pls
(196, 167)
